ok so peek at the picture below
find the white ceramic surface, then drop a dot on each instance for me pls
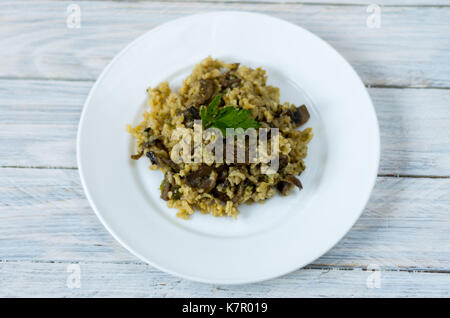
(267, 240)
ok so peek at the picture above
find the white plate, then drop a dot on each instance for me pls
(267, 240)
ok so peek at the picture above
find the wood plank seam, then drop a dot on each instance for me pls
(404, 64)
(338, 4)
(378, 175)
(312, 266)
(88, 80)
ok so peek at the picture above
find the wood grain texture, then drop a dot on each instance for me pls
(417, 3)
(39, 120)
(338, 2)
(47, 223)
(139, 280)
(45, 217)
(410, 49)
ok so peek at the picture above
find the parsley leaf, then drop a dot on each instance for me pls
(208, 113)
(226, 117)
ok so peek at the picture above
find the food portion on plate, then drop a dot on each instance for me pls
(216, 97)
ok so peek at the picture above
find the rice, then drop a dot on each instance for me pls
(209, 186)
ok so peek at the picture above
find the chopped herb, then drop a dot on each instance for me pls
(163, 185)
(226, 117)
(176, 195)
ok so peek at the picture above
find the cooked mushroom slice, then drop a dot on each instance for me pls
(152, 156)
(234, 66)
(229, 80)
(222, 196)
(283, 161)
(293, 180)
(165, 188)
(168, 162)
(300, 115)
(137, 156)
(222, 174)
(203, 178)
(206, 91)
(284, 187)
(161, 161)
(190, 115)
(155, 141)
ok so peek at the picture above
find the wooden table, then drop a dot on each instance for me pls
(46, 223)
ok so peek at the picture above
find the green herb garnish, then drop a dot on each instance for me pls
(226, 117)
(176, 195)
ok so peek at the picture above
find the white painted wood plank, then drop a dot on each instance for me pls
(337, 2)
(348, 2)
(38, 122)
(415, 130)
(410, 48)
(45, 217)
(407, 221)
(39, 119)
(28, 279)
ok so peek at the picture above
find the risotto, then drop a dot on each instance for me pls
(217, 97)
